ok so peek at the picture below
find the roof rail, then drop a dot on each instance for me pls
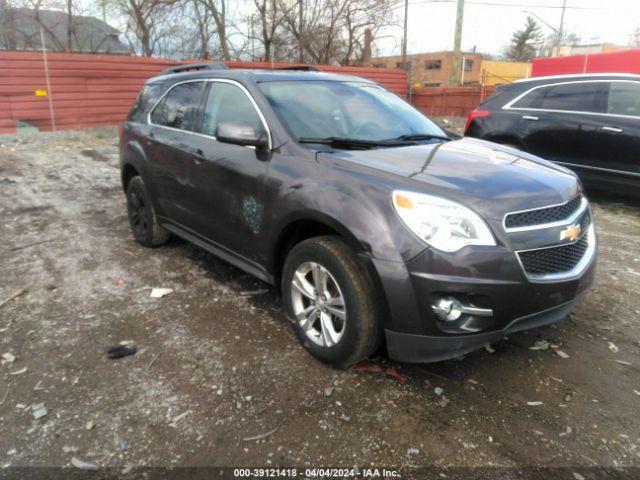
(195, 66)
(586, 75)
(302, 68)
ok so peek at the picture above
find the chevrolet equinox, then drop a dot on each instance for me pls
(375, 224)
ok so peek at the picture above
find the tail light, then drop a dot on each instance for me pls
(473, 115)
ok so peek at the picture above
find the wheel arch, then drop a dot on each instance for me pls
(309, 224)
(128, 172)
(133, 162)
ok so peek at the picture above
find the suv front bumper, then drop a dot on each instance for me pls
(406, 347)
(487, 277)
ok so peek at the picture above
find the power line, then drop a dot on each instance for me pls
(364, 15)
(397, 4)
(496, 4)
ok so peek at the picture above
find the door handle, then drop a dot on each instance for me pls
(150, 138)
(530, 117)
(612, 129)
(198, 155)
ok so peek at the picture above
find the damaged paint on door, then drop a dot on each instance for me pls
(252, 212)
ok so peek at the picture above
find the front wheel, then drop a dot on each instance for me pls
(331, 301)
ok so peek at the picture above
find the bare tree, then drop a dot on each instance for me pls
(270, 14)
(364, 20)
(634, 40)
(203, 26)
(218, 10)
(140, 13)
(144, 22)
(335, 31)
(7, 27)
(314, 31)
(25, 19)
(70, 24)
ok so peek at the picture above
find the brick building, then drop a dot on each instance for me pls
(434, 69)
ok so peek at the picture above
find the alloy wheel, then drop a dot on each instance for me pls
(138, 212)
(318, 304)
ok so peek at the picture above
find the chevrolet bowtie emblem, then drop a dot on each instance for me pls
(572, 232)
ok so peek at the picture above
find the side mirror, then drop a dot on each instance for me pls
(241, 134)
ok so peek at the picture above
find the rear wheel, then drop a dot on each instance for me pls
(331, 301)
(142, 217)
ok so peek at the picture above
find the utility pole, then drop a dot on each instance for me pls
(404, 38)
(455, 70)
(561, 29)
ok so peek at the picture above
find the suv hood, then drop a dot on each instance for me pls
(491, 178)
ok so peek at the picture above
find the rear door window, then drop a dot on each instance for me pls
(624, 98)
(568, 97)
(181, 107)
(229, 103)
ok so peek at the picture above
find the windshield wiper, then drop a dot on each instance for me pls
(342, 142)
(422, 136)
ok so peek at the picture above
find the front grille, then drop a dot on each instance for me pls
(543, 215)
(555, 259)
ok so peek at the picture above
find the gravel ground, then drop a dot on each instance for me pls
(217, 363)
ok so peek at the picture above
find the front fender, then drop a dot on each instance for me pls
(366, 223)
(361, 211)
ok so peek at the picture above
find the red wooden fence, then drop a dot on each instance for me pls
(93, 90)
(453, 101)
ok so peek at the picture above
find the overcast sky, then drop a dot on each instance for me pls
(489, 27)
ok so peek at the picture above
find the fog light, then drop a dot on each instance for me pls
(450, 309)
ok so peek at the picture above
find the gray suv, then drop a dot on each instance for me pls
(375, 225)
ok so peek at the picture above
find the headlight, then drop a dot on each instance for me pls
(441, 223)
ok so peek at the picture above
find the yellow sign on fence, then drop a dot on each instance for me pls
(41, 93)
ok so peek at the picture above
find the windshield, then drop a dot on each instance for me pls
(346, 110)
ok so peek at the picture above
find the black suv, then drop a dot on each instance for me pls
(589, 123)
(374, 224)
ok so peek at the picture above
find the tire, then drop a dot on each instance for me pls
(323, 332)
(142, 217)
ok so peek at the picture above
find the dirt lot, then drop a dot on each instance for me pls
(217, 362)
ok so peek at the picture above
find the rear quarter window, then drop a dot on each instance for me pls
(147, 98)
(624, 99)
(181, 108)
(502, 96)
